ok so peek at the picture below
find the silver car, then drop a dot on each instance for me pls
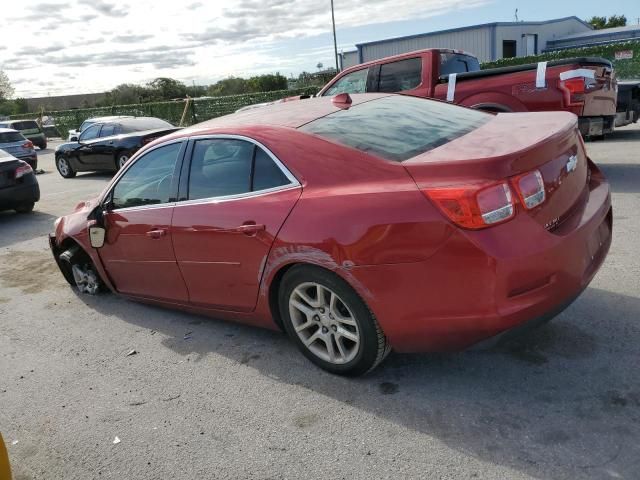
(14, 143)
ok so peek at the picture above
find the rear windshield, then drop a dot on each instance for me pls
(25, 125)
(11, 137)
(397, 127)
(141, 124)
(457, 63)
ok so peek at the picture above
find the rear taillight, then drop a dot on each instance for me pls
(530, 188)
(22, 170)
(27, 144)
(473, 207)
(574, 90)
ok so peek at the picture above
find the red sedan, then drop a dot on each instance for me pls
(357, 224)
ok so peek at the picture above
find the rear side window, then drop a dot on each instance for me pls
(354, 82)
(108, 130)
(25, 125)
(400, 75)
(457, 63)
(11, 137)
(221, 167)
(397, 127)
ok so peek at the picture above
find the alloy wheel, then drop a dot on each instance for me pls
(63, 166)
(86, 279)
(324, 323)
(122, 160)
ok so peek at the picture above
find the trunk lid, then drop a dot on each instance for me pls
(509, 145)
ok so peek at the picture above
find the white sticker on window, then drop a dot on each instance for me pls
(581, 72)
(541, 81)
(451, 89)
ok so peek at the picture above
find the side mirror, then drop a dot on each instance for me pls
(96, 236)
(73, 139)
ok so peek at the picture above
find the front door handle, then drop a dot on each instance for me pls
(157, 233)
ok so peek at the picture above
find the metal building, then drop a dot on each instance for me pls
(595, 37)
(489, 41)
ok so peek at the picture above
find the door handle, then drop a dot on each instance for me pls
(156, 234)
(249, 229)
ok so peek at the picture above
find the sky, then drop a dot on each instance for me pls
(64, 47)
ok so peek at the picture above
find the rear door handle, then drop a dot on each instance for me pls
(249, 229)
(157, 233)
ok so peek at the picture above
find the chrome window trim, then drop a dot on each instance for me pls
(277, 161)
(294, 183)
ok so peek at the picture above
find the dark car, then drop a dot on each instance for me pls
(108, 145)
(19, 188)
(13, 142)
(30, 129)
(355, 224)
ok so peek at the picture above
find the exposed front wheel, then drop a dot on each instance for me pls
(85, 277)
(329, 322)
(64, 167)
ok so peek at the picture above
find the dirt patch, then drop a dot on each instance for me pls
(31, 272)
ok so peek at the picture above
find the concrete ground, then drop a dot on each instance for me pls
(208, 399)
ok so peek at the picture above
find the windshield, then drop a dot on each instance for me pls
(397, 127)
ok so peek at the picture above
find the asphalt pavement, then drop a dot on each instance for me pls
(203, 398)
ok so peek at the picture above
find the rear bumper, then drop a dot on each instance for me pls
(596, 126)
(481, 284)
(17, 195)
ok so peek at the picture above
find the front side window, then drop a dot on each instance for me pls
(222, 166)
(401, 75)
(457, 63)
(354, 82)
(90, 133)
(149, 180)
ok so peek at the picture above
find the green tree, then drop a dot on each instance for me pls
(163, 88)
(267, 83)
(228, 86)
(603, 22)
(6, 89)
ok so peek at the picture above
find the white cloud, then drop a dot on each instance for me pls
(83, 46)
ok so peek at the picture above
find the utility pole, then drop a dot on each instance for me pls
(335, 43)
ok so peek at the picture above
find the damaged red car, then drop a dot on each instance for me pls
(356, 224)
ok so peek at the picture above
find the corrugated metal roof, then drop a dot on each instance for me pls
(473, 27)
(600, 33)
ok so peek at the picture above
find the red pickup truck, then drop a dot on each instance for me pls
(584, 86)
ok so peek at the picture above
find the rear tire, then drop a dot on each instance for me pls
(329, 322)
(64, 167)
(25, 207)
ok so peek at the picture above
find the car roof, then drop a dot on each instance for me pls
(292, 113)
(107, 119)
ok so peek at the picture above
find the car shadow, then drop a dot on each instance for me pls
(622, 177)
(19, 227)
(93, 175)
(624, 134)
(564, 402)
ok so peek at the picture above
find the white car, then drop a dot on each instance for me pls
(74, 134)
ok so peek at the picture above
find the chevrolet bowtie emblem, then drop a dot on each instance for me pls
(572, 163)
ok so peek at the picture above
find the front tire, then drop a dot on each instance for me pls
(81, 269)
(64, 167)
(329, 322)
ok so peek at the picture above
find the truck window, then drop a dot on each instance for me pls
(457, 63)
(400, 75)
(354, 82)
